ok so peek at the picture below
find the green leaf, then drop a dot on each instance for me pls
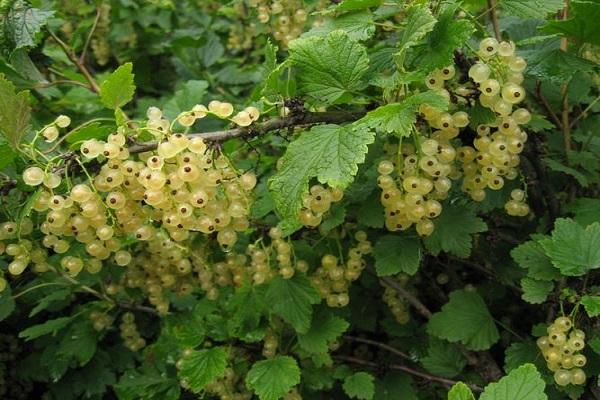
(7, 154)
(360, 385)
(203, 367)
(334, 218)
(523, 383)
(519, 353)
(556, 66)
(350, 5)
(443, 359)
(466, 319)
(78, 342)
(574, 250)
(329, 68)
(324, 329)
(460, 391)
(14, 112)
(48, 300)
(586, 210)
(248, 304)
(271, 379)
(399, 118)
(358, 25)
(591, 305)
(535, 291)
(419, 22)
(395, 385)
(148, 384)
(118, 89)
(394, 254)
(453, 230)
(329, 152)
(292, 300)
(47, 327)
(188, 96)
(24, 22)
(582, 24)
(537, 9)
(7, 303)
(448, 35)
(531, 256)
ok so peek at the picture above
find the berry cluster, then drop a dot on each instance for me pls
(316, 203)
(129, 333)
(270, 343)
(101, 321)
(562, 351)
(397, 304)
(333, 277)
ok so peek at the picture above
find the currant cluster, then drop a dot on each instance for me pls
(332, 279)
(129, 333)
(270, 343)
(562, 352)
(316, 203)
(286, 18)
(397, 304)
(101, 321)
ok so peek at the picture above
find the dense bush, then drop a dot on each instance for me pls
(367, 199)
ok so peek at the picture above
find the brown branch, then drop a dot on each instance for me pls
(383, 346)
(542, 100)
(330, 117)
(426, 376)
(494, 18)
(412, 299)
(75, 60)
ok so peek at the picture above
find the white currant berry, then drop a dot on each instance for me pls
(62, 121)
(33, 176)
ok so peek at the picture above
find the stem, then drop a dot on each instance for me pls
(41, 285)
(542, 100)
(380, 345)
(494, 18)
(584, 112)
(90, 35)
(416, 303)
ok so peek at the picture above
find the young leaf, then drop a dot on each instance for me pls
(466, 319)
(47, 327)
(325, 328)
(329, 67)
(591, 305)
(399, 118)
(535, 291)
(23, 23)
(360, 386)
(573, 249)
(292, 300)
(202, 367)
(14, 112)
(523, 383)
(118, 89)
(419, 22)
(329, 152)
(453, 230)
(271, 379)
(395, 253)
(460, 391)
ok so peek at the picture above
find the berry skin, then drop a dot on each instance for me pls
(33, 176)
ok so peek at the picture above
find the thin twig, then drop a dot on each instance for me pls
(380, 345)
(564, 89)
(583, 113)
(43, 85)
(90, 35)
(494, 18)
(412, 299)
(542, 100)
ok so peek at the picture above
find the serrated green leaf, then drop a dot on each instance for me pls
(330, 67)
(466, 319)
(334, 218)
(271, 379)
(48, 300)
(360, 385)
(448, 35)
(538, 9)
(399, 118)
(203, 367)
(523, 383)
(520, 353)
(7, 155)
(78, 342)
(460, 391)
(586, 210)
(325, 328)
(149, 384)
(329, 152)
(582, 24)
(591, 305)
(556, 66)
(419, 22)
(595, 345)
(530, 255)
(535, 291)
(394, 254)
(351, 5)
(247, 305)
(23, 23)
(358, 25)
(7, 303)
(15, 112)
(443, 359)
(47, 327)
(191, 93)
(574, 250)
(453, 230)
(118, 89)
(292, 300)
